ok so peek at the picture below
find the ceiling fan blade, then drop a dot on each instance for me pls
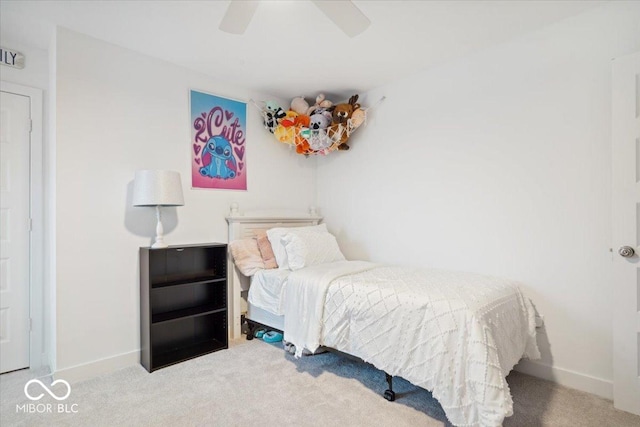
(345, 15)
(238, 16)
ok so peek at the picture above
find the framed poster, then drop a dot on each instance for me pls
(218, 136)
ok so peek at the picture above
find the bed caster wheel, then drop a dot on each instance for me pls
(390, 395)
(249, 337)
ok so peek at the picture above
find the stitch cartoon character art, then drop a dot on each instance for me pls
(218, 160)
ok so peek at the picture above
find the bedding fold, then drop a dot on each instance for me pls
(304, 299)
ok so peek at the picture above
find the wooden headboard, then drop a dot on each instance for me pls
(242, 226)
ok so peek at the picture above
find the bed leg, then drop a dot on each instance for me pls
(389, 394)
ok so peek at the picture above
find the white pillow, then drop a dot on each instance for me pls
(306, 248)
(275, 234)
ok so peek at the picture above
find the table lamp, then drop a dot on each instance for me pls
(157, 188)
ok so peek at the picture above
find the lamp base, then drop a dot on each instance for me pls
(159, 243)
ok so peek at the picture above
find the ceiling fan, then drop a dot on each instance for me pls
(343, 13)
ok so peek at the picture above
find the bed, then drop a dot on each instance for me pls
(456, 334)
(242, 226)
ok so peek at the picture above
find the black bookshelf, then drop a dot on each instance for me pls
(183, 303)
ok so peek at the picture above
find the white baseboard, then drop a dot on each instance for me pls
(93, 369)
(567, 378)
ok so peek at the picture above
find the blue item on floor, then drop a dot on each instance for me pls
(272, 336)
(259, 333)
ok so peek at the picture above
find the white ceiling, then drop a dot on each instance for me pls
(291, 48)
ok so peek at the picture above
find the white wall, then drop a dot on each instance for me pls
(500, 163)
(117, 112)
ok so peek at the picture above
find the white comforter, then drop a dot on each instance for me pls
(456, 334)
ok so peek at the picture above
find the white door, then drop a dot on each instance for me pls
(626, 232)
(15, 125)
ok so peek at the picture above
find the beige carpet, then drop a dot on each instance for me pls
(257, 384)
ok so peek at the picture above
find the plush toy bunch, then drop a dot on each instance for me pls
(314, 129)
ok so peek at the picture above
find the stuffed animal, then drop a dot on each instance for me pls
(317, 129)
(339, 130)
(320, 120)
(290, 119)
(284, 134)
(319, 140)
(342, 112)
(272, 114)
(304, 132)
(302, 145)
(299, 105)
(303, 120)
(357, 118)
(321, 102)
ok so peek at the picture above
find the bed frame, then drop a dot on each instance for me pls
(242, 226)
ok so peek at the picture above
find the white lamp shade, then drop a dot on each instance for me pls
(157, 188)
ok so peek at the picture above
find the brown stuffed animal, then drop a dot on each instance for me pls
(341, 114)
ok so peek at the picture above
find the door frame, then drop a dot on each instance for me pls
(37, 353)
